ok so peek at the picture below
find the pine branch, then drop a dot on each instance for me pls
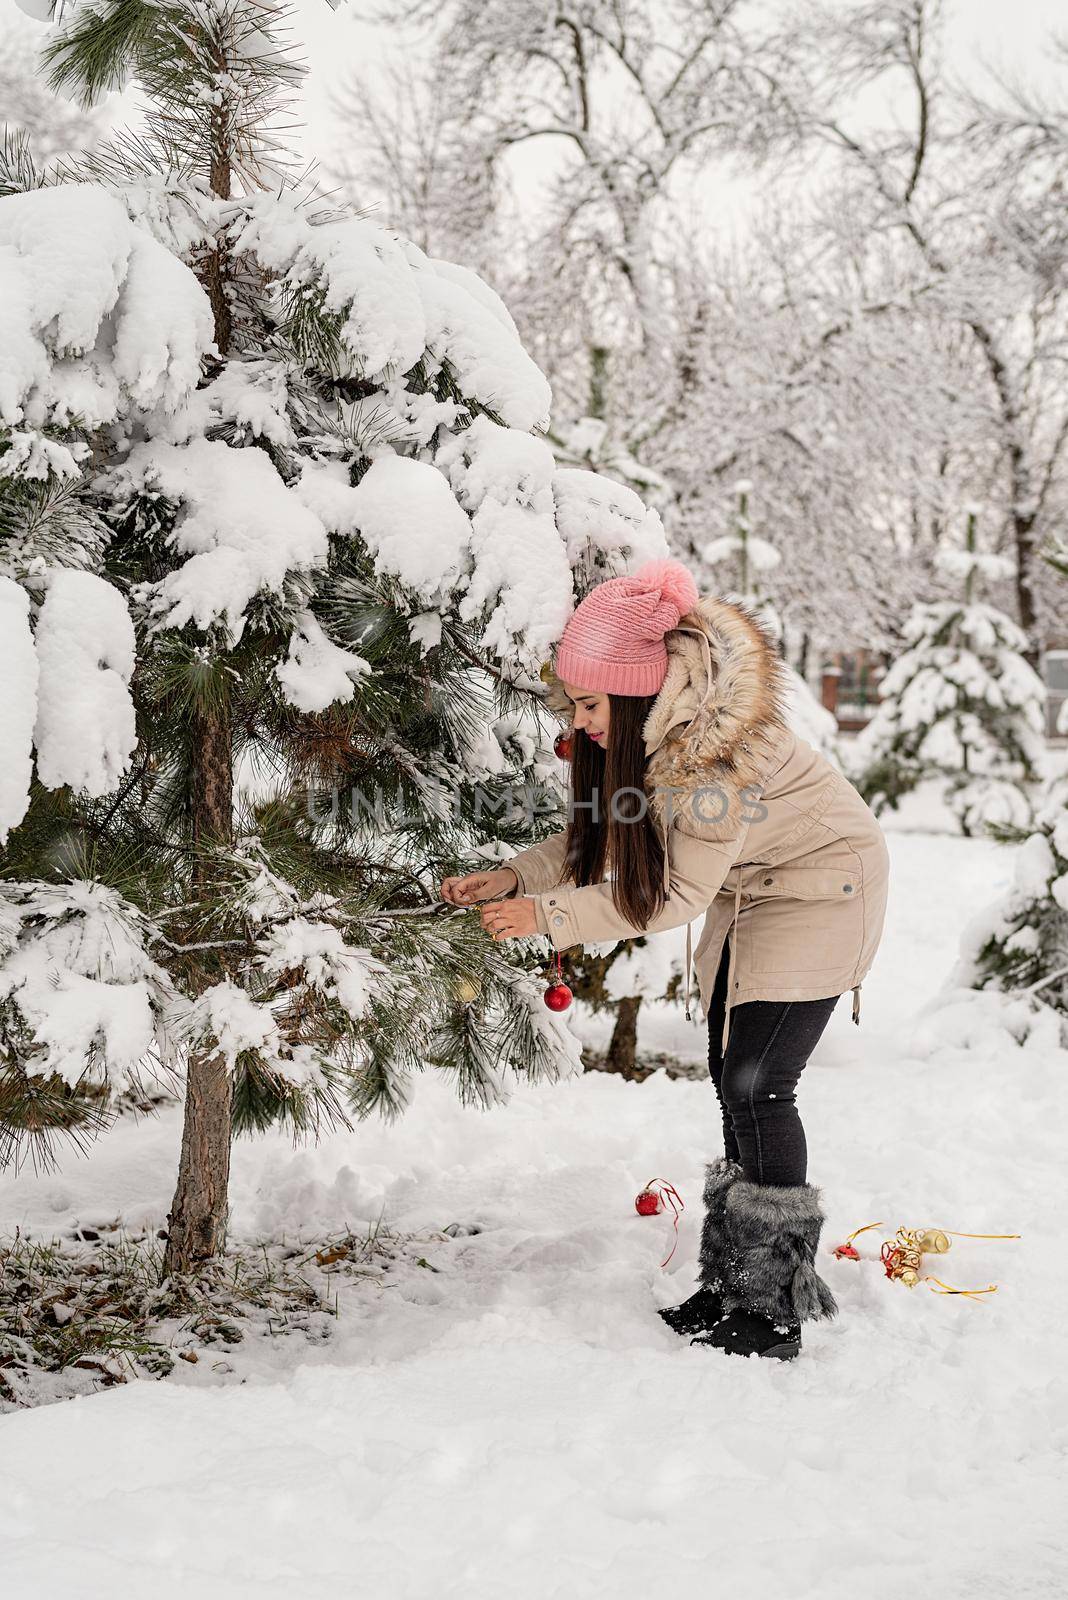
(93, 52)
(18, 170)
(51, 521)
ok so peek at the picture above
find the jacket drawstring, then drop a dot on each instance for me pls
(856, 1004)
(733, 936)
(710, 680)
(689, 964)
(730, 966)
(706, 651)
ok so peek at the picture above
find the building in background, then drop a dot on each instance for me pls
(1055, 677)
(850, 687)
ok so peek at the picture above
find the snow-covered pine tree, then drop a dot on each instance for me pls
(281, 554)
(1019, 944)
(960, 703)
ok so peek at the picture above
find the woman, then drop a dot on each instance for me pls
(690, 790)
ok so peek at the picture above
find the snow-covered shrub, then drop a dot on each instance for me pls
(960, 704)
(1019, 944)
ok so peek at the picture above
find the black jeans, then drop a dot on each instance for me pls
(769, 1043)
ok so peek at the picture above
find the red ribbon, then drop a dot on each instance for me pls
(667, 1191)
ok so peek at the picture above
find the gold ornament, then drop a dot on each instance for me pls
(932, 1241)
(467, 990)
(902, 1257)
(546, 674)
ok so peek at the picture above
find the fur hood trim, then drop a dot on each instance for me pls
(718, 719)
(720, 716)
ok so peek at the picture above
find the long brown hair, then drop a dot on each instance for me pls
(606, 826)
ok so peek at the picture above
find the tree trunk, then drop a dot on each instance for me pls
(598, 380)
(623, 1050)
(197, 1219)
(196, 1222)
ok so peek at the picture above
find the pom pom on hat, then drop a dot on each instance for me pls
(614, 643)
(677, 591)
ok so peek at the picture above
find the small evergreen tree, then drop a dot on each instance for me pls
(1019, 944)
(281, 553)
(960, 704)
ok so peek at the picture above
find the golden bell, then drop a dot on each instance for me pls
(546, 674)
(909, 1277)
(932, 1241)
(467, 990)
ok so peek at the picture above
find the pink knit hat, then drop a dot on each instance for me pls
(614, 642)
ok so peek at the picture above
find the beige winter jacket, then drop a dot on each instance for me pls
(763, 835)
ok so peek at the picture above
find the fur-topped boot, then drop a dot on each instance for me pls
(764, 1255)
(705, 1308)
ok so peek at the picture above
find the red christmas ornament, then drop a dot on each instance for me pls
(558, 996)
(562, 746)
(652, 1200)
(847, 1250)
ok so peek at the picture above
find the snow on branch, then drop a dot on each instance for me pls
(607, 528)
(85, 732)
(18, 704)
(96, 316)
(241, 527)
(521, 587)
(393, 306)
(89, 1000)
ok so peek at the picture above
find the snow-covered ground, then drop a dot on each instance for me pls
(512, 1419)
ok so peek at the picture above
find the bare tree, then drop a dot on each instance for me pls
(882, 348)
(630, 94)
(944, 190)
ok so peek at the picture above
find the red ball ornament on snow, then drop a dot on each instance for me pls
(558, 997)
(562, 746)
(657, 1195)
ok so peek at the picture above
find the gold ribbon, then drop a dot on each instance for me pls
(903, 1256)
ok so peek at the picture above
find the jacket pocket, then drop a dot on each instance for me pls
(805, 920)
(804, 883)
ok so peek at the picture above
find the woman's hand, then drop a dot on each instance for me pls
(509, 919)
(479, 886)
